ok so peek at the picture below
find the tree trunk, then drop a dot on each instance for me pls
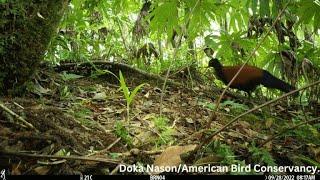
(26, 29)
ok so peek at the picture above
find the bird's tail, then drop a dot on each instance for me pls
(270, 81)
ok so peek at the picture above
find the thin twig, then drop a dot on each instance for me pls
(174, 57)
(106, 149)
(150, 153)
(115, 170)
(288, 129)
(122, 35)
(192, 136)
(151, 130)
(52, 163)
(21, 107)
(213, 115)
(107, 132)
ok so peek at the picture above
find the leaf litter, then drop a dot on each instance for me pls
(82, 118)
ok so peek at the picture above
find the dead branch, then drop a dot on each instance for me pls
(6, 109)
(113, 67)
(41, 156)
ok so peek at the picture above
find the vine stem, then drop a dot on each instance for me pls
(174, 57)
(128, 113)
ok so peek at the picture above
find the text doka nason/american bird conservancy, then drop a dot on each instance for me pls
(223, 169)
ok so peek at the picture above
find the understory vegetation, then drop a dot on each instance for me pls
(127, 82)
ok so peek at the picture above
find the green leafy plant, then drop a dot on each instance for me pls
(307, 160)
(81, 114)
(306, 133)
(226, 153)
(129, 96)
(62, 152)
(223, 151)
(234, 106)
(69, 76)
(162, 125)
(261, 156)
(122, 132)
(98, 72)
(65, 92)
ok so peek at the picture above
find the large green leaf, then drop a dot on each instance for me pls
(165, 18)
(200, 17)
(309, 10)
(254, 6)
(264, 8)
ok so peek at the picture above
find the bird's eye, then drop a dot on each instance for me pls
(209, 52)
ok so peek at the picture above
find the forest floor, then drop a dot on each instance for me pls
(87, 117)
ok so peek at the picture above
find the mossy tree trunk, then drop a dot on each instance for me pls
(26, 28)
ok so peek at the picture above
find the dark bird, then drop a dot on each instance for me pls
(249, 78)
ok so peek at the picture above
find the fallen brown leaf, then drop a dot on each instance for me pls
(171, 155)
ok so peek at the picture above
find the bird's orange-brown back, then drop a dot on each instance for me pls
(247, 74)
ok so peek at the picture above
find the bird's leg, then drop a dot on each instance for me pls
(249, 95)
(249, 99)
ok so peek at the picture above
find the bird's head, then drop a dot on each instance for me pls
(209, 52)
(214, 62)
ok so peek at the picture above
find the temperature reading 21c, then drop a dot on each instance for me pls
(86, 177)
